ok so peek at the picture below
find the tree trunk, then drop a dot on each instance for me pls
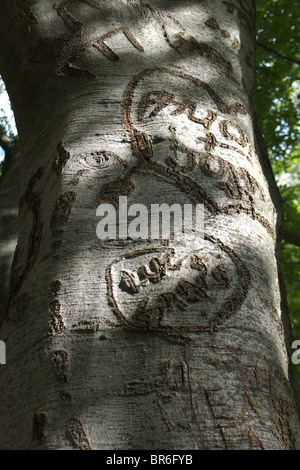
(9, 203)
(132, 343)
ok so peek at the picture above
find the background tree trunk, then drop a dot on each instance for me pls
(9, 204)
(177, 344)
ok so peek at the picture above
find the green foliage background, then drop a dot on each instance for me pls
(278, 27)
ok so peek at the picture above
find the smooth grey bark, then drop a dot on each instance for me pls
(133, 344)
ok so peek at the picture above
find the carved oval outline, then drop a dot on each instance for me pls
(228, 308)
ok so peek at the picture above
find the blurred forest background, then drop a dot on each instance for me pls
(278, 105)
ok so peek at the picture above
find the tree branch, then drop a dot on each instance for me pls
(282, 56)
(291, 237)
(5, 141)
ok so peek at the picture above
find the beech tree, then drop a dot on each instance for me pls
(180, 343)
